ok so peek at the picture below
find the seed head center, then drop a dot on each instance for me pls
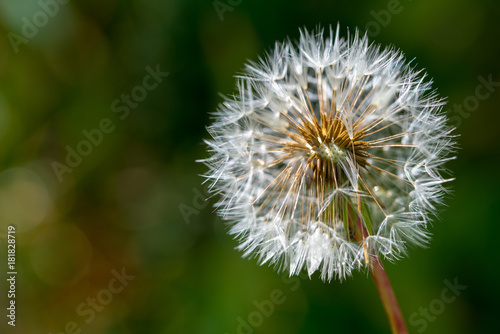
(330, 152)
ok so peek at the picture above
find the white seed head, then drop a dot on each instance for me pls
(325, 138)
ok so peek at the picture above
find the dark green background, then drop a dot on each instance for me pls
(121, 207)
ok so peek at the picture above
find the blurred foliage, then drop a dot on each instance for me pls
(134, 199)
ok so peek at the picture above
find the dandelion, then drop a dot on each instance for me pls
(330, 156)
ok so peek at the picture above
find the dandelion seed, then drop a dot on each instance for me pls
(330, 155)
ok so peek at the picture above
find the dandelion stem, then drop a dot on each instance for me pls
(388, 297)
(383, 285)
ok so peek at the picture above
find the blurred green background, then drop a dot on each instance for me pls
(133, 204)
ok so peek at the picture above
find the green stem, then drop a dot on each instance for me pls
(382, 283)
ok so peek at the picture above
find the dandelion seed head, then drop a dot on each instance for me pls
(321, 135)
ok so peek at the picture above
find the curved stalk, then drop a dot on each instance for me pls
(388, 297)
(391, 306)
